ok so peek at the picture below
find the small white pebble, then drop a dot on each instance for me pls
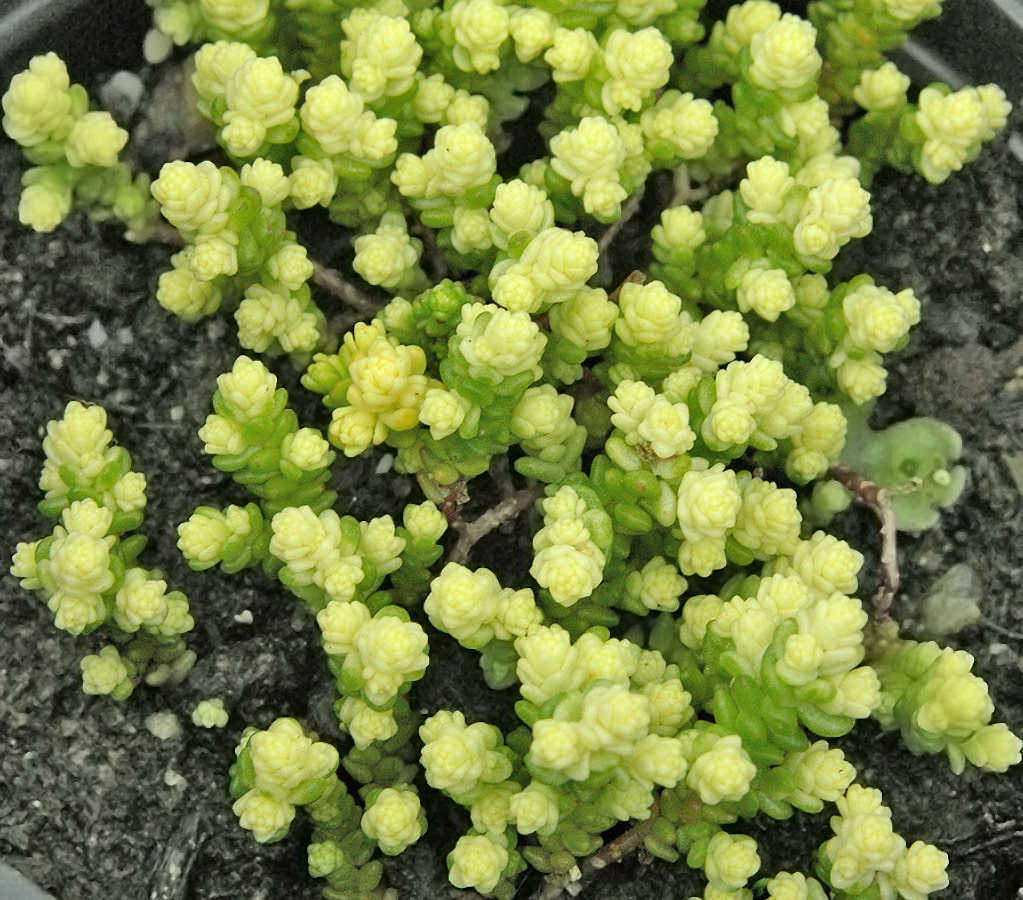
(385, 465)
(174, 779)
(244, 617)
(96, 334)
(164, 725)
(176, 413)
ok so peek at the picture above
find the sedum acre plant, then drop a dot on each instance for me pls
(683, 641)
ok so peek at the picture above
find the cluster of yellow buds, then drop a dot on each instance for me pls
(375, 659)
(75, 150)
(86, 568)
(931, 694)
(238, 249)
(866, 851)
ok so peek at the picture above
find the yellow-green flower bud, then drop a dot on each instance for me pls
(37, 104)
(284, 759)
(508, 342)
(767, 292)
(24, 565)
(731, 860)
(783, 56)
(388, 256)
(44, 203)
(881, 88)
(261, 92)
(140, 601)
(535, 809)
(532, 31)
(268, 179)
(559, 746)
(290, 265)
(393, 819)
(571, 53)
(638, 64)
(216, 64)
(793, 886)
(381, 56)
(827, 564)
(658, 586)
(821, 773)
(590, 157)
(249, 387)
(878, 319)
(424, 521)
(722, 773)
(95, 140)
(993, 748)
(340, 621)
(548, 664)
(744, 20)
(194, 197)
(568, 573)
(650, 314)
(477, 862)
(658, 760)
(457, 757)
(480, 29)
(106, 673)
(463, 603)
(268, 818)
(210, 714)
(921, 871)
(180, 292)
(709, 501)
(213, 256)
(391, 652)
(365, 724)
(312, 182)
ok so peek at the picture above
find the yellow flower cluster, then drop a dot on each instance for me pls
(932, 695)
(462, 158)
(723, 772)
(955, 124)
(590, 157)
(49, 116)
(755, 403)
(478, 861)
(474, 609)
(258, 96)
(458, 758)
(316, 550)
(783, 56)
(731, 861)
(481, 28)
(378, 657)
(336, 118)
(394, 819)
(381, 387)
(866, 851)
(504, 341)
(288, 769)
(637, 64)
(649, 421)
(552, 268)
(389, 257)
(568, 560)
(379, 56)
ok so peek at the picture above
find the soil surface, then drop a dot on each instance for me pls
(95, 805)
